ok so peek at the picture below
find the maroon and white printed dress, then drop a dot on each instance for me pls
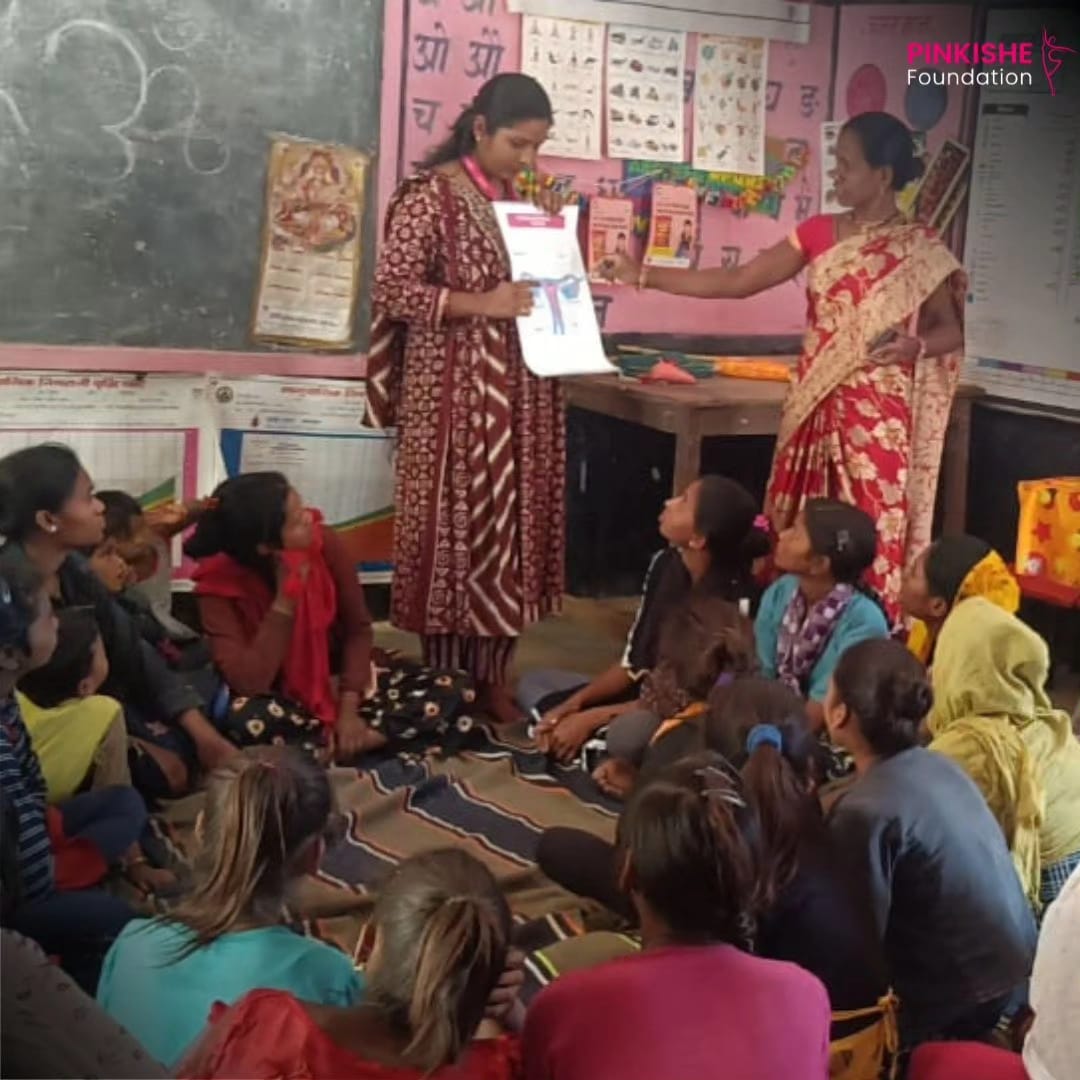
(480, 476)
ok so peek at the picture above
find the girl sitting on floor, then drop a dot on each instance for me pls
(281, 605)
(702, 641)
(48, 515)
(993, 717)
(442, 930)
(952, 569)
(59, 851)
(267, 813)
(714, 537)
(695, 997)
(820, 607)
(926, 854)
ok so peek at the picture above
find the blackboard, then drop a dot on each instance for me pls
(133, 149)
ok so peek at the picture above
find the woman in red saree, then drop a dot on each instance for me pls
(478, 536)
(864, 420)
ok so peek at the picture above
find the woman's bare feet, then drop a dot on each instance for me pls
(615, 778)
(496, 701)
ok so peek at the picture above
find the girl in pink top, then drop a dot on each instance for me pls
(694, 1003)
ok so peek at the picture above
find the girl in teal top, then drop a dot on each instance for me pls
(819, 608)
(266, 815)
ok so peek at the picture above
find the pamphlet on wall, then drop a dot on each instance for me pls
(561, 335)
(830, 132)
(673, 231)
(611, 231)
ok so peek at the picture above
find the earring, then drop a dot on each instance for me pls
(52, 528)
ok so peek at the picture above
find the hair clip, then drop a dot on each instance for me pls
(719, 786)
(843, 539)
(211, 502)
(764, 735)
(763, 524)
(726, 678)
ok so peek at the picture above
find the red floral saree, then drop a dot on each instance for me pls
(480, 477)
(867, 433)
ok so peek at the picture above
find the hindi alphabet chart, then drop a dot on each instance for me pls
(567, 58)
(645, 87)
(729, 104)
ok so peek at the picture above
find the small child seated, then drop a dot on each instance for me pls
(78, 734)
(134, 562)
(704, 640)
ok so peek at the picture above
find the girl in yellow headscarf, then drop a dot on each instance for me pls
(992, 716)
(952, 569)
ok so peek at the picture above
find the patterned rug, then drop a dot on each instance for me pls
(494, 799)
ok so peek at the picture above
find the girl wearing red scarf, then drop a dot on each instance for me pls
(276, 590)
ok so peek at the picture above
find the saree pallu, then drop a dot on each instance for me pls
(479, 490)
(867, 433)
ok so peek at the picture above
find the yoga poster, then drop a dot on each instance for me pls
(311, 430)
(611, 231)
(567, 58)
(561, 336)
(309, 275)
(673, 231)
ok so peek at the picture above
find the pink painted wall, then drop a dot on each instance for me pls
(868, 34)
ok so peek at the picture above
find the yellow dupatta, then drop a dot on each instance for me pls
(993, 718)
(989, 578)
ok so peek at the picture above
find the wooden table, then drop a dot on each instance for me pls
(725, 406)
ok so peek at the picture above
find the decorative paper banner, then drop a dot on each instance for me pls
(567, 58)
(673, 231)
(309, 276)
(830, 132)
(742, 194)
(610, 231)
(729, 104)
(645, 106)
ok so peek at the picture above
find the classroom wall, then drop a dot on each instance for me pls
(474, 40)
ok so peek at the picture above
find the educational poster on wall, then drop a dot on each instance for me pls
(139, 434)
(311, 430)
(567, 58)
(561, 335)
(1022, 253)
(673, 228)
(729, 104)
(611, 231)
(309, 276)
(645, 111)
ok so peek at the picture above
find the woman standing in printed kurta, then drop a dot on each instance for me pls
(865, 418)
(478, 537)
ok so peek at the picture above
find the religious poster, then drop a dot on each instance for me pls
(566, 58)
(611, 231)
(729, 104)
(645, 109)
(561, 335)
(673, 230)
(309, 278)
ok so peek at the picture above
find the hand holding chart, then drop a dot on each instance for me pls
(560, 336)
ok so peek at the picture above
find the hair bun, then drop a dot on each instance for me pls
(913, 701)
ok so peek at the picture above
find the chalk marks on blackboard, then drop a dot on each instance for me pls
(203, 153)
(12, 110)
(178, 31)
